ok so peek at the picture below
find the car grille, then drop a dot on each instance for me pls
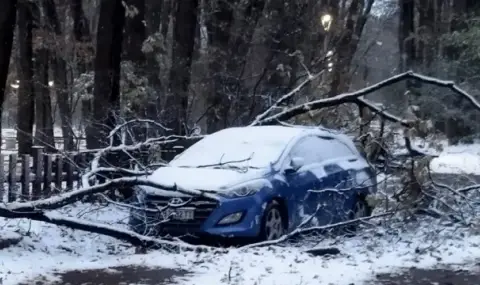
(203, 208)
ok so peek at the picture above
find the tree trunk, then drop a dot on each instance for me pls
(106, 96)
(219, 25)
(135, 33)
(155, 18)
(59, 67)
(405, 35)
(25, 115)
(425, 33)
(347, 46)
(81, 32)
(182, 52)
(43, 106)
(7, 25)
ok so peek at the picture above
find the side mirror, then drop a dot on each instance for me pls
(295, 164)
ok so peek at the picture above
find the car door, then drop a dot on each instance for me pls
(337, 191)
(342, 170)
(306, 183)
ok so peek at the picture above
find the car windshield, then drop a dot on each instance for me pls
(235, 148)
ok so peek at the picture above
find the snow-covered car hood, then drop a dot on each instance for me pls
(200, 179)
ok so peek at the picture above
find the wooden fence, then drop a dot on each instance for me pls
(41, 175)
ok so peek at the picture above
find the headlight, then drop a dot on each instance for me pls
(245, 189)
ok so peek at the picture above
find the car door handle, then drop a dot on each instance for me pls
(353, 159)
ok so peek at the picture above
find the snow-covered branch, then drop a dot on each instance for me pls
(100, 228)
(355, 97)
(74, 196)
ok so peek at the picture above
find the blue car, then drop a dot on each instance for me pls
(263, 182)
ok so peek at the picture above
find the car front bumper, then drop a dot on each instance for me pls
(208, 214)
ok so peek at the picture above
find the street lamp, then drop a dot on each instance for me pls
(15, 85)
(326, 21)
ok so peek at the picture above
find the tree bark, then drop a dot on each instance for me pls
(219, 25)
(81, 29)
(43, 106)
(59, 67)
(81, 32)
(106, 96)
(406, 31)
(25, 115)
(8, 15)
(135, 33)
(182, 53)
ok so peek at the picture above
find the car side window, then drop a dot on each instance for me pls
(308, 148)
(314, 149)
(332, 148)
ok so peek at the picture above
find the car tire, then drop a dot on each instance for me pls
(361, 209)
(273, 223)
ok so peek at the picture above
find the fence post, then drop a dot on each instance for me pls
(82, 165)
(12, 178)
(47, 177)
(70, 165)
(2, 177)
(25, 178)
(37, 171)
(59, 172)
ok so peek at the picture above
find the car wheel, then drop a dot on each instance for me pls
(361, 209)
(273, 223)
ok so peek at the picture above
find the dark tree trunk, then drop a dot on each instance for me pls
(425, 32)
(185, 15)
(7, 25)
(81, 28)
(25, 115)
(106, 101)
(405, 35)
(347, 45)
(59, 67)
(135, 34)
(43, 105)
(153, 15)
(219, 25)
(81, 32)
(239, 45)
(154, 18)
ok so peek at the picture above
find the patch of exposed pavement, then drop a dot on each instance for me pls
(122, 275)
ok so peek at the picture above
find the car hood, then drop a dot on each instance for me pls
(215, 180)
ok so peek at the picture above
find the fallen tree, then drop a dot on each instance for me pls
(41, 210)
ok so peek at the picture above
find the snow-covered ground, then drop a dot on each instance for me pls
(459, 159)
(48, 249)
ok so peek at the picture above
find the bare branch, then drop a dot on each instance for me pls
(353, 97)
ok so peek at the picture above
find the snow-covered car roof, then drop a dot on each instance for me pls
(259, 145)
(285, 133)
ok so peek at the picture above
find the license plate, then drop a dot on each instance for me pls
(181, 214)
